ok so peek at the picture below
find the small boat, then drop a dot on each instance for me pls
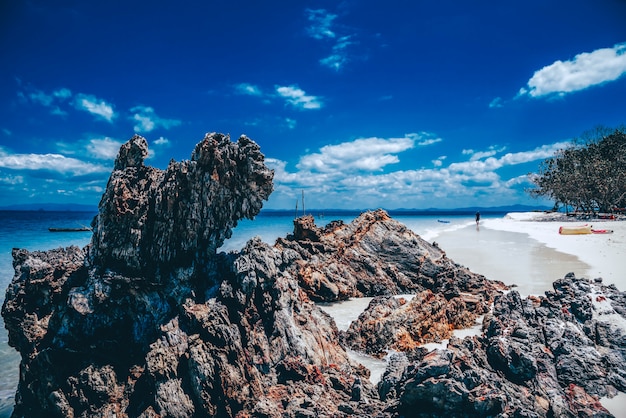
(601, 231)
(575, 230)
(442, 221)
(82, 229)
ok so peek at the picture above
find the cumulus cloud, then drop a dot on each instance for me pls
(146, 120)
(103, 148)
(49, 162)
(478, 155)
(53, 100)
(298, 97)
(438, 162)
(95, 106)
(359, 174)
(12, 180)
(476, 165)
(584, 70)
(364, 154)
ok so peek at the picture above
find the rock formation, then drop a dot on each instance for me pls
(549, 356)
(149, 320)
(375, 255)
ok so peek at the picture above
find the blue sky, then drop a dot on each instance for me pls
(361, 104)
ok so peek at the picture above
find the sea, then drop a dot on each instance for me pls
(29, 230)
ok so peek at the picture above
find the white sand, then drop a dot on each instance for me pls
(511, 257)
(604, 253)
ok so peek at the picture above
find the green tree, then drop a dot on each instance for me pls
(588, 175)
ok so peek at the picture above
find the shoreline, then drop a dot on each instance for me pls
(545, 257)
(525, 249)
(603, 253)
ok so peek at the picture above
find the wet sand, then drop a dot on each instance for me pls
(511, 257)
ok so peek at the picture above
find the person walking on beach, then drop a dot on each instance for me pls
(477, 217)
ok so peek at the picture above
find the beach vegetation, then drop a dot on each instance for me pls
(589, 175)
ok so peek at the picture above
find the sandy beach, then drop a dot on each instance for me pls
(523, 250)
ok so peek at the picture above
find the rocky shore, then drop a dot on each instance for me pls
(150, 320)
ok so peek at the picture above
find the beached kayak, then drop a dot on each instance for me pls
(575, 230)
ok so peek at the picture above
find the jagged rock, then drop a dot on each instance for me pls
(401, 325)
(375, 255)
(534, 359)
(154, 224)
(150, 321)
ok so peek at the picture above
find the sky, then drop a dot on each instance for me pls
(360, 104)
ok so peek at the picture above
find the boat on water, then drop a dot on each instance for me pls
(442, 221)
(82, 229)
(575, 230)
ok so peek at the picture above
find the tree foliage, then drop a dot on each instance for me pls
(589, 175)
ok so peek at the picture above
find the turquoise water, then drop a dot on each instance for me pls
(29, 230)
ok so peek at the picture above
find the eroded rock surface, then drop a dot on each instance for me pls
(549, 356)
(375, 255)
(150, 321)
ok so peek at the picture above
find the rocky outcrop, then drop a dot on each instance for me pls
(375, 255)
(163, 223)
(150, 321)
(540, 356)
(398, 324)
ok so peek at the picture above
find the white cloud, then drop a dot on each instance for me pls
(146, 120)
(248, 89)
(350, 175)
(364, 154)
(40, 97)
(94, 106)
(339, 56)
(298, 98)
(161, 141)
(103, 148)
(478, 155)
(12, 180)
(439, 161)
(475, 165)
(496, 103)
(584, 70)
(323, 28)
(49, 162)
(321, 22)
(291, 123)
(62, 93)
(429, 141)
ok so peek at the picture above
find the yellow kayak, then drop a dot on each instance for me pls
(575, 230)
